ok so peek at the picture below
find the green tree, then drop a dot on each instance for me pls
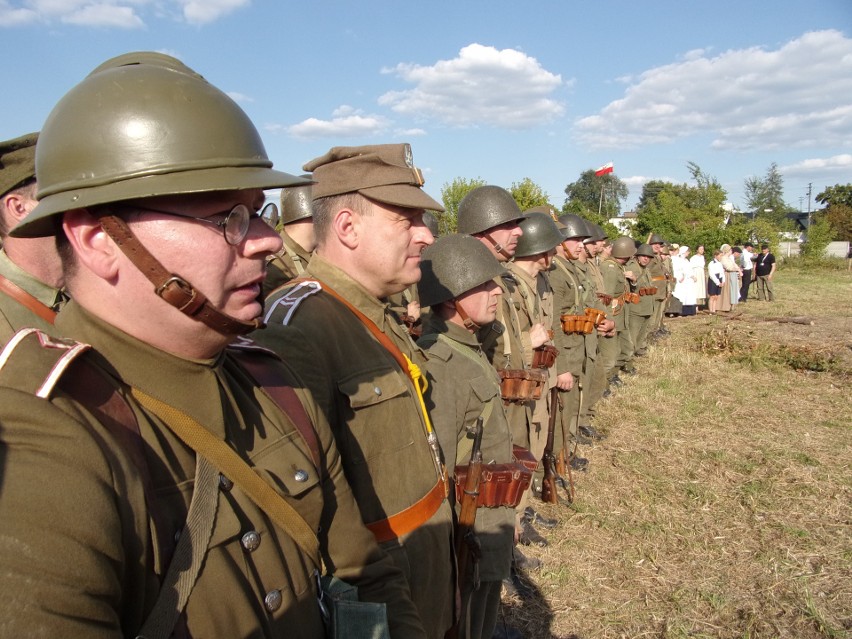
(528, 194)
(451, 195)
(593, 192)
(765, 196)
(820, 234)
(838, 210)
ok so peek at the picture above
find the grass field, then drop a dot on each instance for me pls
(720, 505)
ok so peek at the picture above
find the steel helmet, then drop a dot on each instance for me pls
(142, 125)
(597, 232)
(430, 220)
(296, 203)
(575, 226)
(646, 250)
(624, 247)
(540, 235)
(486, 207)
(453, 265)
(656, 239)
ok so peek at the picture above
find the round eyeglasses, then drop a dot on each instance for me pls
(235, 226)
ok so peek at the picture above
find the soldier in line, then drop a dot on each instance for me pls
(616, 285)
(458, 284)
(115, 520)
(356, 356)
(30, 271)
(570, 299)
(641, 313)
(659, 279)
(297, 235)
(607, 341)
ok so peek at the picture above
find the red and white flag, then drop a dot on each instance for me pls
(606, 168)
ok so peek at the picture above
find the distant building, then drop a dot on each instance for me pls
(624, 222)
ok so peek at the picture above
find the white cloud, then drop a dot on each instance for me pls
(834, 164)
(206, 11)
(410, 133)
(346, 122)
(482, 86)
(123, 14)
(104, 15)
(795, 96)
(238, 97)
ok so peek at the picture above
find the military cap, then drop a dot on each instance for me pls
(382, 172)
(17, 162)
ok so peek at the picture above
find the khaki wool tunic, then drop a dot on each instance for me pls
(14, 315)
(377, 421)
(291, 261)
(83, 553)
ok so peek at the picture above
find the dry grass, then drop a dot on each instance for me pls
(721, 503)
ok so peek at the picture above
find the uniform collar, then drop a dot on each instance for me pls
(49, 296)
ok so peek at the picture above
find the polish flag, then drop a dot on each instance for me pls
(606, 168)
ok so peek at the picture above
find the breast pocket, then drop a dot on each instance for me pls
(380, 403)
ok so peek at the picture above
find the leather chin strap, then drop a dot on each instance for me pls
(469, 324)
(171, 287)
(498, 247)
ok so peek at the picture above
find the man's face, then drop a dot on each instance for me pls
(765, 250)
(657, 248)
(391, 241)
(506, 236)
(643, 260)
(573, 247)
(229, 276)
(480, 303)
(700, 250)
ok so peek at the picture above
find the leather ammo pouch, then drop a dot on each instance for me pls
(606, 299)
(631, 298)
(577, 324)
(522, 385)
(596, 315)
(500, 484)
(544, 356)
(648, 290)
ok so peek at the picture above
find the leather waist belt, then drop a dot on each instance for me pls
(659, 278)
(409, 519)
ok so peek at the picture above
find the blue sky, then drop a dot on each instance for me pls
(493, 90)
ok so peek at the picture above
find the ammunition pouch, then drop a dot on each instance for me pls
(500, 484)
(577, 324)
(544, 356)
(522, 385)
(647, 290)
(597, 316)
(631, 298)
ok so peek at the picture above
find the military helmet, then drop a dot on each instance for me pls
(430, 220)
(296, 202)
(453, 265)
(540, 235)
(596, 231)
(656, 239)
(646, 250)
(143, 125)
(575, 226)
(486, 207)
(624, 247)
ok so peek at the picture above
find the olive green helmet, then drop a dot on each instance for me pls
(430, 220)
(656, 239)
(296, 203)
(540, 235)
(486, 207)
(575, 226)
(646, 250)
(143, 125)
(453, 265)
(596, 232)
(624, 247)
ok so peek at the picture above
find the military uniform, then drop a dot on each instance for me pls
(291, 261)
(377, 421)
(607, 345)
(659, 278)
(585, 270)
(87, 529)
(15, 314)
(641, 314)
(462, 387)
(615, 285)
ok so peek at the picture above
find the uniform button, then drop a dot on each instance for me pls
(377, 390)
(301, 476)
(272, 600)
(251, 540)
(225, 483)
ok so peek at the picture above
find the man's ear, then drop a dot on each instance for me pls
(16, 207)
(347, 225)
(93, 246)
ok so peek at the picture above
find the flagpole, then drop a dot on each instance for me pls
(600, 203)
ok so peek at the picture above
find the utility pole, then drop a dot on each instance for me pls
(810, 186)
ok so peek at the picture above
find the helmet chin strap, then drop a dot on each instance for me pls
(498, 247)
(469, 324)
(171, 287)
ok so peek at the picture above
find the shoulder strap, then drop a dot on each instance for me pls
(26, 300)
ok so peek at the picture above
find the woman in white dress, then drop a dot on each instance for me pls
(698, 263)
(684, 277)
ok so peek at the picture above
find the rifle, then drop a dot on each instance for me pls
(548, 460)
(467, 516)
